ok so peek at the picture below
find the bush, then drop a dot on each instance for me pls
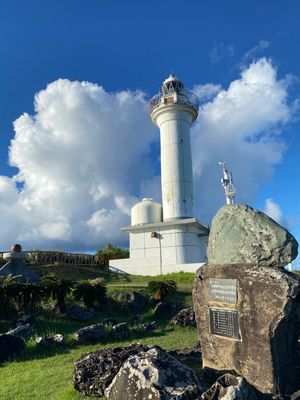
(90, 292)
(110, 252)
(161, 289)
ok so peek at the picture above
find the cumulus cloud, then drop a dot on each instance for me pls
(82, 159)
(86, 156)
(241, 125)
(256, 50)
(273, 210)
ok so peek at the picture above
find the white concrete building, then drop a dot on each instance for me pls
(168, 238)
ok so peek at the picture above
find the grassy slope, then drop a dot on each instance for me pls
(49, 376)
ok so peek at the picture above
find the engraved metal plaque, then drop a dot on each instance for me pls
(224, 323)
(224, 290)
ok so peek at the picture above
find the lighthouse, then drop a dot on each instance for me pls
(167, 237)
(173, 111)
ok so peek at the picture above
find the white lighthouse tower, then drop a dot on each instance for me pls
(173, 111)
(168, 238)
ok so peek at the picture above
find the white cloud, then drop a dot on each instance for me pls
(85, 158)
(256, 50)
(273, 210)
(242, 126)
(220, 51)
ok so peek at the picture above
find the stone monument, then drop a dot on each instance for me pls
(247, 306)
(16, 266)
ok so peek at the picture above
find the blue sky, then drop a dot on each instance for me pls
(134, 45)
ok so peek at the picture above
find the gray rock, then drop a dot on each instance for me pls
(109, 322)
(81, 314)
(122, 330)
(149, 326)
(10, 347)
(185, 355)
(155, 375)
(185, 318)
(90, 334)
(47, 342)
(26, 330)
(255, 332)
(23, 320)
(241, 234)
(94, 372)
(230, 387)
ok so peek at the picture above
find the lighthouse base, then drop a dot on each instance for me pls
(165, 247)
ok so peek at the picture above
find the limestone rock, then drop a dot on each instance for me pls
(251, 326)
(93, 372)
(23, 320)
(10, 347)
(81, 314)
(230, 387)
(121, 331)
(156, 375)
(47, 342)
(90, 334)
(241, 234)
(149, 326)
(185, 355)
(184, 318)
(26, 330)
(109, 322)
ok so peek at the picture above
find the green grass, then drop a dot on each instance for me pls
(48, 375)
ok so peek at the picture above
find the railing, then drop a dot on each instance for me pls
(53, 257)
(184, 97)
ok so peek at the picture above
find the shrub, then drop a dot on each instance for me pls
(161, 289)
(58, 289)
(90, 292)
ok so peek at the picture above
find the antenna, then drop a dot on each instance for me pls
(227, 183)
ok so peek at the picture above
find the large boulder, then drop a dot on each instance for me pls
(248, 320)
(187, 355)
(81, 314)
(230, 387)
(26, 330)
(10, 347)
(23, 320)
(241, 234)
(94, 372)
(155, 375)
(90, 334)
(185, 318)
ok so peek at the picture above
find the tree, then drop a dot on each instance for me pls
(90, 292)
(161, 289)
(58, 289)
(111, 252)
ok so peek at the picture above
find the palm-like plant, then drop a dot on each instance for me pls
(27, 296)
(7, 283)
(58, 289)
(90, 292)
(161, 289)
